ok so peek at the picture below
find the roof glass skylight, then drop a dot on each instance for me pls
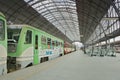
(61, 13)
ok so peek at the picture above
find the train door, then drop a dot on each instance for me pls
(36, 51)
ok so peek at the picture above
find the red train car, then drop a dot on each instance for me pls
(68, 48)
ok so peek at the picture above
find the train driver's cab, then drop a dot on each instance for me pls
(12, 43)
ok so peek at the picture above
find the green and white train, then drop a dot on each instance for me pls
(23, 45)
(3, 45)
(28, 46)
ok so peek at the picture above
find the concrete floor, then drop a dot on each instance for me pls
(74, 66)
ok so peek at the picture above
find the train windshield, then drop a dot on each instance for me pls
(2, 31)
(13, 37)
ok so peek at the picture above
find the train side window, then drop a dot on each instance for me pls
(28, 38)
(53, 44)
(59, 43)
(2, 30)
(43, 40)
(56, 43)
(49, 43)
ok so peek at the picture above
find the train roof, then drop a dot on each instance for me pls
(17, 26)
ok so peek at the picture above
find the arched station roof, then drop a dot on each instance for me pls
(71, 20)
(61, 13)
(90, 12)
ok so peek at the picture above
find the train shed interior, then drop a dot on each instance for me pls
(88, 31)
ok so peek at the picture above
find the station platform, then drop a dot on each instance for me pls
(74, 66)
